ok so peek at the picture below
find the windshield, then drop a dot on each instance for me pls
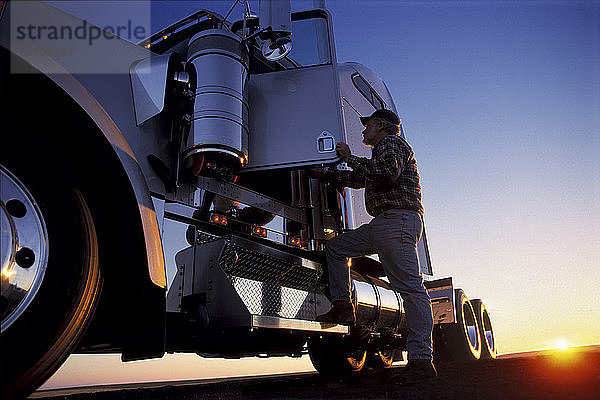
(310, 44)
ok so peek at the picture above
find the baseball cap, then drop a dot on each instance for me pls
(383, 114)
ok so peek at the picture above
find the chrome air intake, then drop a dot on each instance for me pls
(218, 136)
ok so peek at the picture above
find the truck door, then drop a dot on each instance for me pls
(362, 93)
(295, 104)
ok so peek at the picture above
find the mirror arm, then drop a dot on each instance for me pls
(260, 33)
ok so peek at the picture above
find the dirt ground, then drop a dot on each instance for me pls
(572, 374)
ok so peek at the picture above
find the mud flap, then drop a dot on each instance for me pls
(441, 292)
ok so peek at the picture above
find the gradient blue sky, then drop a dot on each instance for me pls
(501, 102)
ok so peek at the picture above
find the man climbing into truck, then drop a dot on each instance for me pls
(393, 197)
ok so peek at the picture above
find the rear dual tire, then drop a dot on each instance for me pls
(486, 331)
(459, 341)
(334, 355)
(381, 359)
(331, 355)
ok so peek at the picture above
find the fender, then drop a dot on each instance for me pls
(111, 132)
(154, 251)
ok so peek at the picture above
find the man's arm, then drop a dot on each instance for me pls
(342, 179)
(384, 167)
(339, 179)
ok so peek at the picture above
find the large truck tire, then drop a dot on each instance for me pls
(459, 341)
(380, 359)
(51, 278)
(331, 356)
(486, 331)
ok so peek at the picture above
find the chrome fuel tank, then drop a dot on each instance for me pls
(219, 129)
(377, 305)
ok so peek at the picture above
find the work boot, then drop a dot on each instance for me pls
(341, 312)
(415, 371)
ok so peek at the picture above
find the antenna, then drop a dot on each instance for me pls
(232, 7)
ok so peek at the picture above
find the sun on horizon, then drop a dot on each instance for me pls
(561, 344)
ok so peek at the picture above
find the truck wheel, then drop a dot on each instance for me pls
(50, 278)
(380, 359)
(486, 332)
(331, 356)
(458, 341)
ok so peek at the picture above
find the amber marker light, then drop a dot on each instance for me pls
(165, 36)
(295, 241)
(259, 231)
(218, 219)
(349, 263)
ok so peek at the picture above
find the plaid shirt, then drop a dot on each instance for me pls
(390, 177)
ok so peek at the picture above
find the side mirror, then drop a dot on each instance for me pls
(276, 28)
(276, 49)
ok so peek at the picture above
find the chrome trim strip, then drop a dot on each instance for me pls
(198, 149)
(263, 321)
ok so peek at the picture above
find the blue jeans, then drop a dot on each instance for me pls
(393, 235)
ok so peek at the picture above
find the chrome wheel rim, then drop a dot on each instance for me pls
(488, 332)
(23, 248)
(470, 326)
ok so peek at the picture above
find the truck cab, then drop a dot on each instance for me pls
(163, 204)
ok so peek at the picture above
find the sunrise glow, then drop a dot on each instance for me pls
(561, 344)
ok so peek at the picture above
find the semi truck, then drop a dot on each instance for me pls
(155, 197)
